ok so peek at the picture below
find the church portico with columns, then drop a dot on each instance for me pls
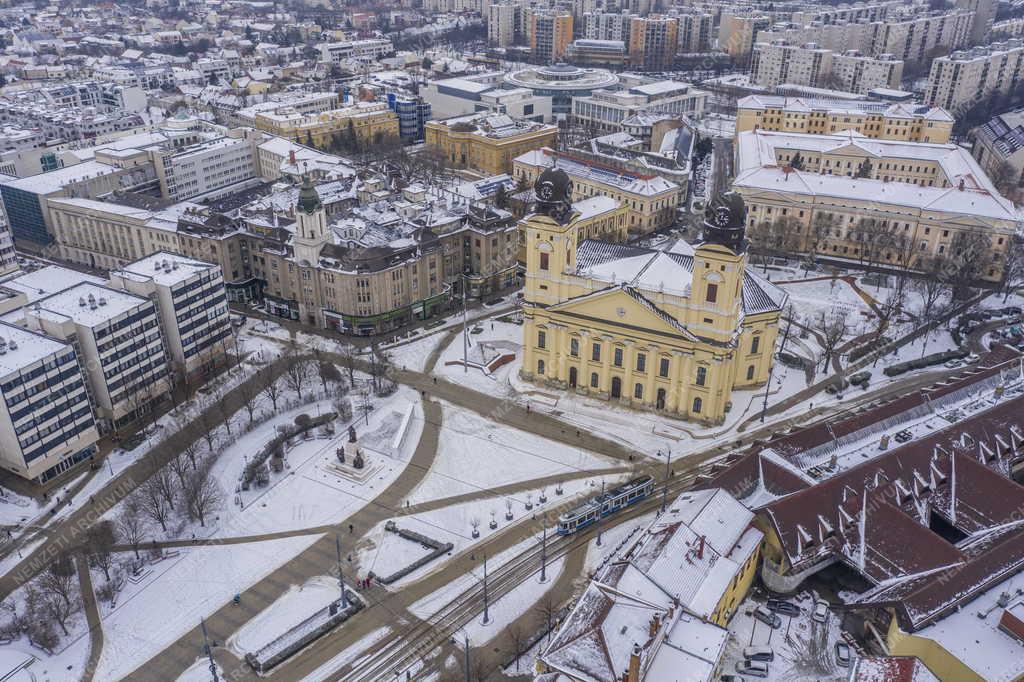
(673, 331)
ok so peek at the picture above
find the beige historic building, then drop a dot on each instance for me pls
(827, 117)
(675, 331)
(879, 201)
(364, 122)
(488, 142)
(598, 217)
(651, 201)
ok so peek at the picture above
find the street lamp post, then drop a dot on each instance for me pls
(668, 474)
(600, 508)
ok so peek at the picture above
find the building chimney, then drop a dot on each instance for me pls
(961, 185)
(291, 157)
(700, 550)
(634, 664)
(653, 626)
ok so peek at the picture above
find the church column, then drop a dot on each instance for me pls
(682, 381)
(559, 351)
(628, 353)
(675, 395)
(583, 380)
(606, 363)
(651, 367)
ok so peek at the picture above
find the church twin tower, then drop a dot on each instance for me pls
(668, 330)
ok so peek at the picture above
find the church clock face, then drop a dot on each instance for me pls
(546, 191)
(722, 216)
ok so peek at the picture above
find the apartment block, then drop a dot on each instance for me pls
(505, 24)
(118, 342)
(653, 42)
(984, 16)
(965, 78)
(695, 32)
(550, 34)
(876, 120)
(778, 63)
(192, 304)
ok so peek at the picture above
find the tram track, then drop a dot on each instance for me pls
(403, 649)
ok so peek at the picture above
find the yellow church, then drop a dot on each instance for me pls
(673, 330)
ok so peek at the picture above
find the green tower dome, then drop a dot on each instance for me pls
(309, 200)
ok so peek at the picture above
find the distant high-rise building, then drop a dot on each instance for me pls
(550, 34)
(653, 41)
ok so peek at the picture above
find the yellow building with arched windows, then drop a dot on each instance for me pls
(674, 330)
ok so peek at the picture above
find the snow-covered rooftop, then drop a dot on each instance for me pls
(87, 304)
(165, 268)
(28, 347)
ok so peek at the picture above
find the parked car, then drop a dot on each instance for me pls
(843, 655)
(767, 617)
(953, 364)
(820, 614)
(759, 653)
(786, 608)
(730, 678)
(752, 668)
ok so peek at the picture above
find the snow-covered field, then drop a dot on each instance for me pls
(181, 591)
(294, 606)
(812, 298)
(495, 338)
(513, 605)
(475, 455)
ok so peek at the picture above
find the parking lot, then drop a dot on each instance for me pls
(801, 647)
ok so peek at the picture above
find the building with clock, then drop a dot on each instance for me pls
(676, 330)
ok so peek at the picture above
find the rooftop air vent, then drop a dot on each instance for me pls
(13, 345)
(103, 301)
(81, 302)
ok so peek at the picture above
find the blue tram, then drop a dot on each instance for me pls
(607, 503)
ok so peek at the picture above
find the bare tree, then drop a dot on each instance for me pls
(153, 503)
(38, 620)
(60, 578)
(328, 373)
(1013, 267)
(202, 496)
(131, 525)
(298, 375)
(348, 360)
(970, 259)
(249, 392)
(101, 538)
(547, 609)
(515, 636)
(831, 328)
(270, 387)
(206, 420)
(225, 414)
(181, 467)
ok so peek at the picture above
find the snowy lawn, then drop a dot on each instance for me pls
(519, 601)
(180, 591)
(493, 340)
(294, 606)
(475, 455)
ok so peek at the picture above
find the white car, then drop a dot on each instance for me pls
(820, 614)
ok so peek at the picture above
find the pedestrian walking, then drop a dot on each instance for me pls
(351, 528)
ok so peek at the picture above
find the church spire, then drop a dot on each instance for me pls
(309, 200)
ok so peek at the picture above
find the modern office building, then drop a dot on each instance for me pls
(999, 144)
(605, 110)
(46, 421)
(561, 83)
(118, 342)
(413, 114)
(192, 304)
